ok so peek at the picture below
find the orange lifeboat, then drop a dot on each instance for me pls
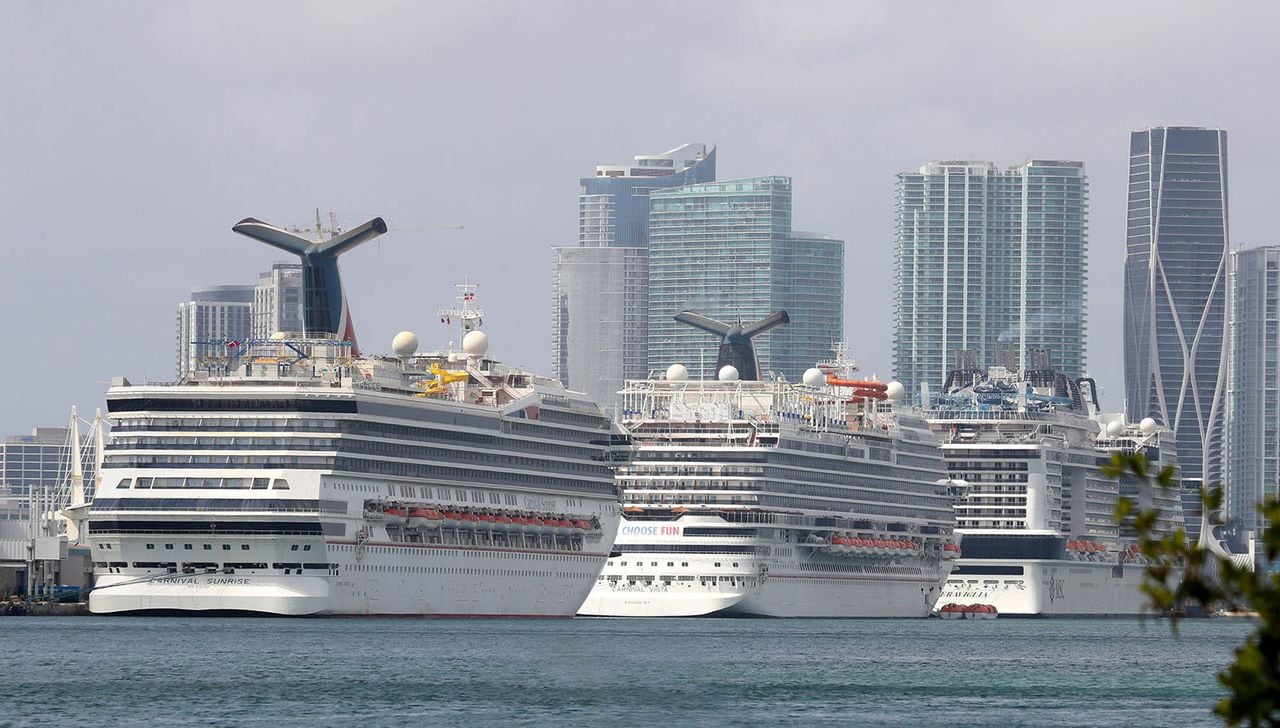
(396, 515)
(425, 518)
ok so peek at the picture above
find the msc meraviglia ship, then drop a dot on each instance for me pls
(297, 477)
(765, 498)
(1034, 511)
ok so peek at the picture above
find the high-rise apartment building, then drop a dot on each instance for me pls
(277, 301)
(1175, 291)
(600, 291)
(726, 250)
(40, 463)
(1253, 385)
(989, 259)
(214, 315)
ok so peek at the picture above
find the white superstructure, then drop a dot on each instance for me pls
(774, 499)
(1034, 512)
(301, 480)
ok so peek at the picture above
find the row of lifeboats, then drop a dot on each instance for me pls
(841, 544)
(427, 518)
(1086, 551)
(968, 611)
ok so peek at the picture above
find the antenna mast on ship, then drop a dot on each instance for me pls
(465, 309)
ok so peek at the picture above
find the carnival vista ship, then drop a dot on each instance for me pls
(1034, 511)
(295, 476)
(750, 497)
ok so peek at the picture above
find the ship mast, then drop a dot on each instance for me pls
(465, 309)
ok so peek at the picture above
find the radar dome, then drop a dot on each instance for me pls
(1147, 425)
(814, 377)
(677, 373)
(475, 343)
(895, 391)
(1114, 428)
(405, 344)
(728, 373)
(279, 336)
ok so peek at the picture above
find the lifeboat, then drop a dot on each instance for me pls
(396, 515)
(425, 518)
(950, 551)
(487, 521)
(580, 525)
(451, 519)
(951, 611)
(469, 520)
(563, 527)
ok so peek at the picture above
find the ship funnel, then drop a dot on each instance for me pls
(736, 348)
(324, 309)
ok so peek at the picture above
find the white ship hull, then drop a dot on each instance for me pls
(1050, 588)
(793, 580)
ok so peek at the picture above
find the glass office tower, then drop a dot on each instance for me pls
(989, 259)
(1175, 291)
(726, 250)
(600, 287)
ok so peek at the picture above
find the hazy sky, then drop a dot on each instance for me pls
(133, 136)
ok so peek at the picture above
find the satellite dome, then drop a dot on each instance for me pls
(895, 391)
(814, 377)
(1147, 425)
(677, 373)
(728, 373)
(405, 344)
(279, 336)
(475, 343)
(1114, 428)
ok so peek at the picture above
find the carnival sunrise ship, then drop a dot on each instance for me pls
(295, 476)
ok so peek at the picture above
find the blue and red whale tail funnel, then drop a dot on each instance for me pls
(324, 309)
(736, 348)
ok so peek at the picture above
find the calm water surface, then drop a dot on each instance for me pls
(101, 671)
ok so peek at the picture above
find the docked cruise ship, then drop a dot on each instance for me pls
(1033, 509)
(766, 498)
(294, 476)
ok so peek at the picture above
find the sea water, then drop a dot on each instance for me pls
(109, 671)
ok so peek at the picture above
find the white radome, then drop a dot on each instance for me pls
(1114, 428)
(475, 343)
(405, 344)
(895, 390)
(728, 373)
(677, 373)
(1147, 425)
(814, 377)
(279, 336)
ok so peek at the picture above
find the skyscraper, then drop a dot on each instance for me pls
(1253, 385)
(600, 290)
(726, 250)
(1175, 291)
(277, 301)
(213, 315)
(987, 257)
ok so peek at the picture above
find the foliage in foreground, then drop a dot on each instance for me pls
(1183, 576)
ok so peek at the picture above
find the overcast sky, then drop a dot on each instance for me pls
(135, 134)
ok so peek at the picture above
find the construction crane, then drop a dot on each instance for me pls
(322, 233)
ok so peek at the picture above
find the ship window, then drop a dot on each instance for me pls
(244, 547)
(280, 484)
(226, 547)
(208, 547)
(168, 547)
(151, 546)
(187, 547)
(293, 547)
(125, 483)
(307, 547)
(144, 482)
(260, 483)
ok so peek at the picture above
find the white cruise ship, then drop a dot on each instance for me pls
(773, 499)
(294, 477)
(1033, 509)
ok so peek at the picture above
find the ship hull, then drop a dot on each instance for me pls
(1048, 588)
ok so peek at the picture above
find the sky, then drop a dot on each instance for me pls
(133, 135)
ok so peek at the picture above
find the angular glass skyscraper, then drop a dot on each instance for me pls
(600, 287)
(726, 250)
(989, 259)
(1253, 385)
(1175, 291)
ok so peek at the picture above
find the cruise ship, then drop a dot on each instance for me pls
(1035, 513)
(294, 476)
(765, 498)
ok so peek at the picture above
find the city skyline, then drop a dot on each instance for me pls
(154, 117)
(990, 257)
